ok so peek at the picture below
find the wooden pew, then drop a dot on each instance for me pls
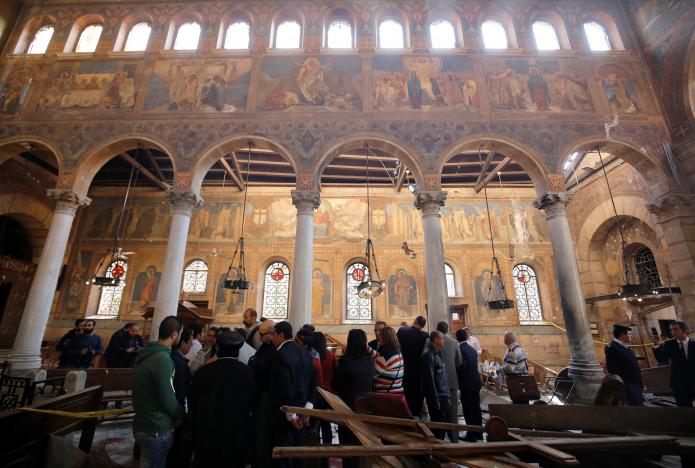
(656, 380)
(22, 433)
(117, 383)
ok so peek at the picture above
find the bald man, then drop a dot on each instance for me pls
(515, 359)
(250, 319)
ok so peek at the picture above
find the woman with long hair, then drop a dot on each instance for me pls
(388, 365)
(328, 366)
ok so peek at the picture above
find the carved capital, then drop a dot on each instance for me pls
(429, 202)
(554, 204)
(184, 201)
(673, 205)
(306, 201)
(67, 201)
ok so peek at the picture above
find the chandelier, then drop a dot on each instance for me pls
(371, 286)
(236, 280)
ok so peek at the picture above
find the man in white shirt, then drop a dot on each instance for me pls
(196, 331)
(473, 342)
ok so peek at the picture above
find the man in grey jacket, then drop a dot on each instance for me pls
(451, 355)
(434, 382)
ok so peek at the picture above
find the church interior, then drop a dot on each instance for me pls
(538, 152)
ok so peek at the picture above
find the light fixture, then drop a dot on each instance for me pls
(370, 287)
(239, 282)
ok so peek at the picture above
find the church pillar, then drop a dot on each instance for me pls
(429, 203)
(584, 367)
(183, 202)
(675, 214)
(306, 201)
(26, 352)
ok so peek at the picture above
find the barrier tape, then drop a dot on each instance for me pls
(603, 342)
(80, 415)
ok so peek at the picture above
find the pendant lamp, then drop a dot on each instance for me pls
(371, 286)
(239, 281)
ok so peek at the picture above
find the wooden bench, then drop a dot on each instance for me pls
(23, 433)
(657, 380)
(117, 383)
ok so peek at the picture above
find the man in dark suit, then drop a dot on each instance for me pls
(621, 361)
(124, 346)
(469, 385)
(293, 383)
(680, 351)
(412, 340)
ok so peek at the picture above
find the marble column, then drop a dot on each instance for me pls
(429, 203)
(26, 352)
(183, 202)
(306, 201)
(583, 367)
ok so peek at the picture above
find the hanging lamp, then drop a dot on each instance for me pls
(240, 282)
(371, 286)
(503, 302)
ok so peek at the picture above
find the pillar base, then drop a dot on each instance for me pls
(587, 381)
(24, 361)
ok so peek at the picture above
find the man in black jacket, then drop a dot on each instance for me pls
(66, 341)
(434, 381)
(680, 351)
(262, 365)
(621, 361)
(378, 326)
(469, 385)
(412, 340)
(123, 347)
(293, 383)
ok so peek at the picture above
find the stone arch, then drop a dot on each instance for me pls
(208, 156)
(94, 159)
(356, 141)
(11, 146)
(33, 214)
(529, 159)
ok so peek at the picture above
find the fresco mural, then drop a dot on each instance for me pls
(146, 287)
(537, 86)
(320, 292)
(199, 86)
(331, 83)
(216, 220)
(101, 85)
(14, 90)
(487, 287)
(621, 90)
(77, 283)
(402, 293)
(424, 83)
(228, 302)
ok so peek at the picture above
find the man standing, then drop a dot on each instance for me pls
(246, 351)
(412, 341)
(434, 381)
(250, 319)
(197, 331)
(680, 351)
(221, 398)
(376, 342)
(293, 383)
(84, 347)
(154, 401)
(621, 361)
(66, 342)
(469, 385)
(207, 352)
(261, 364)
(123, 347)
(473, 341)
(515, 360)
(451, 355)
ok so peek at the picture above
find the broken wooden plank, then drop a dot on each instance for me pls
(551, 453)
(144, 171)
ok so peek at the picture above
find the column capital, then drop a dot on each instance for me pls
(306, 201)
(67, 201)
(553, 203)
(672, 205)
(184, 201)
(430, 201)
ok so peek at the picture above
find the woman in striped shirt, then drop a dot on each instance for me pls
(388, 364)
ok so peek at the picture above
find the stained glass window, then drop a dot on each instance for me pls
(494, 35)
(442, 34)
(645, 265)
(237, 36)
(89, 38)
(597, 37)
(339, 35)
(391, 35)
(288, 35)
(450, 283)
(187, 36)
(195, 277)
(528, 298)
(545, 35)
(110, 298)
(357, 309)
(41, 39)
(138, 36)
(276, 291)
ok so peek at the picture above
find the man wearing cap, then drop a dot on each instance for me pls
(621, 361)
(221, 399)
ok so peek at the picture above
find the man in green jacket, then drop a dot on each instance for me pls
(154, 401)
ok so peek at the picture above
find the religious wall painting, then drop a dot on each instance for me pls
(228, 301)
(402, 293)
(424, 83)
(77, 282)
(332, 83)
(142, 219)
(199, 86)
(656, 17)
(216, 220)
(146, 287)
(100, 85)
(529, 85)
(320, 292)
(623, 92)
(14, 89)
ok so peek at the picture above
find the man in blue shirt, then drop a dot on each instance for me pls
(80, 352)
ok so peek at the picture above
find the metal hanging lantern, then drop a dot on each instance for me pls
(238, 282)
(371, 286)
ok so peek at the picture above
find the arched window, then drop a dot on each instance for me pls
(288, 35)
(276, 291)
(138, 36)
(528, 298)
(494, 35)
(597, 36)
(645, 265)
(357, 309)
(442, 34)
(545, 35)
(238, 36)
(450, 280)
(187, 36)
(195, 277)
(391, 34)
(339, 34)
(42, 38)
(89, 38)
(110, 298)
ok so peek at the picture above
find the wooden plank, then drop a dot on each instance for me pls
(606, 419)
(483, 168)
(401, 177)
(235, 178)
(144, 171)
(153, 161)
(549, 452)
(491, 175)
